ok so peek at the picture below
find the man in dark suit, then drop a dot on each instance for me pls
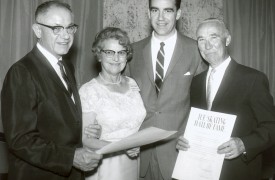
(163, 65)
(239, 90)
(41, 109)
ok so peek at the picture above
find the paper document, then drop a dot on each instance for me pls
(143, 137)
(205, 131)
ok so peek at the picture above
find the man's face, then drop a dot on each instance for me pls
(163, 15)
(212, 42)
(58, 44)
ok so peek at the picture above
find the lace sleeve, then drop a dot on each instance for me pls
(89, 98)
(133, 84)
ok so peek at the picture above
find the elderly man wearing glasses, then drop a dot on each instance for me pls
(41, 108)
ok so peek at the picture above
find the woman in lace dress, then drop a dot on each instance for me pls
(113, 101)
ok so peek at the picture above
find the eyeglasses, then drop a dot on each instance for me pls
(58, 29)
(111, 53)
(166, 12)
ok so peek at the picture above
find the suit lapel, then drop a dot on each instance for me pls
(74, 88)
(178, 54)
(203, 90)
(226, 83)
(48, 70)
(147, 57)
(51, 74)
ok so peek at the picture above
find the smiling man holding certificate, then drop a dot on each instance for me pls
(231, 88)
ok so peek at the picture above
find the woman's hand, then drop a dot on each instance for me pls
(133, 152)
(93, 130)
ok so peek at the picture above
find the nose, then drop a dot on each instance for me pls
(208, 45)
(160, 15)
(116, 58)
(64, 34)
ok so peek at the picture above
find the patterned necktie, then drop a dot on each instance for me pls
(65, 77)
(209, 89)
(160, 68)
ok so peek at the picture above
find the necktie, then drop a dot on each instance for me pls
(209, 89)
(65, 77)
(159, 68)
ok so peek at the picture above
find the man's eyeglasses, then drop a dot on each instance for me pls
(111, 53)
(58, 29)
(165, 12)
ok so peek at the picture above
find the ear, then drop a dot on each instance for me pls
(228, 40)
(178, 14)
(37, 30)
(149, 14)
(98, 56)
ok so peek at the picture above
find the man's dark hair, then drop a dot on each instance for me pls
(44, 7)
(177, 3)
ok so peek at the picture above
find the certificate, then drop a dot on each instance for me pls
(205, 131)
(143, 137)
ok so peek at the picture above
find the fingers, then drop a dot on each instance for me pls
(232, 148)
(86, 160)
(133, 152)
(93, 131)
(182, 144)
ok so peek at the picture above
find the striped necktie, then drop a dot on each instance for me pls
(65, 77)
(159, 68)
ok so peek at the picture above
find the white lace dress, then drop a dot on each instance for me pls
(120, 115)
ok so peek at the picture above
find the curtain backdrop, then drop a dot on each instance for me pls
(252, 25)
(17, 37)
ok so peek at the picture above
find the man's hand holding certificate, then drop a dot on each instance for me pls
(205, 132)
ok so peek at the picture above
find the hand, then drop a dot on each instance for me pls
(133, 152)
(182, 144)
(86, 160)
(93, 130)
(232, 148)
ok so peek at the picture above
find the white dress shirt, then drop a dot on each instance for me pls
(168, 50)
(217, 77)
(53, 61)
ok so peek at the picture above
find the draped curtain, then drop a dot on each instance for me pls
(17, 37)
(252, 25)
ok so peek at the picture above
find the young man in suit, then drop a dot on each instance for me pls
(163, 65)
(239, 90)
(41, 109)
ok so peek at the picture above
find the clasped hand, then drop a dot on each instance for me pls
(93, 130)
(232, 148)
(85, 159)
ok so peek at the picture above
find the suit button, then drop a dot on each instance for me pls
(158, 112)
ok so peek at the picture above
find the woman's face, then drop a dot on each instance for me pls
(113, 57)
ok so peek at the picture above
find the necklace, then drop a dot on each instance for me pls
(108, 82)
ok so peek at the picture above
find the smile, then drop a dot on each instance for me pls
(63, 43)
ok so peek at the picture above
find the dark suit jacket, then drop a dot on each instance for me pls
(245, 93)
(42, 125)
(169, 110)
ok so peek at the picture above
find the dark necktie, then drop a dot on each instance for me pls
(209, 89)
(160, 68)
(65, 77)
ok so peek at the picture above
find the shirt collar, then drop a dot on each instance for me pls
(170, 40)
(222, 66)
(49, 56)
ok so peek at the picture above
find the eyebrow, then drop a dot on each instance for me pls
(71, 24)
(169, 8)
